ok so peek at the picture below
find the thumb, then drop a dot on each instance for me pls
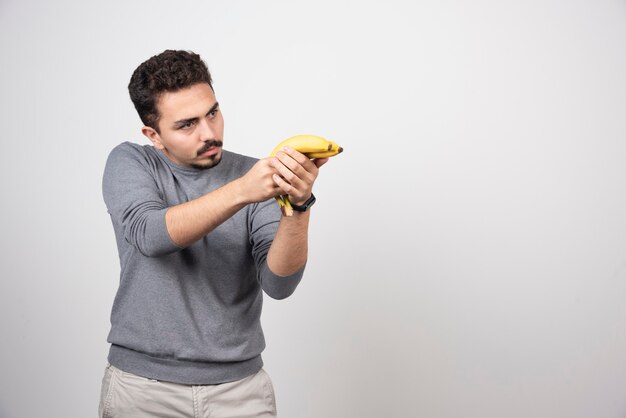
(320, 161)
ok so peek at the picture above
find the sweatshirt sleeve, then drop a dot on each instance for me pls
(133, 200)
(264, 220)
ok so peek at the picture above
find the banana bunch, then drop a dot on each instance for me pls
(313, 147)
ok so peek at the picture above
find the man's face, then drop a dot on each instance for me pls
(191, 126)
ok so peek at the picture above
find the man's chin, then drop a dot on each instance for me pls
(209, 163)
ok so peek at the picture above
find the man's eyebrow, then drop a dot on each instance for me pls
(212, 109)
(183, 122)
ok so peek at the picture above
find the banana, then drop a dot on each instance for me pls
(313, 147)
(333, 150)
(304, 144)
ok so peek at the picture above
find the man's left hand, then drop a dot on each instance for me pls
(297, 174)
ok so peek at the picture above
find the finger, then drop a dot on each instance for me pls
(320, 161)
(285, 187)
(302, 159)
(300, 172)
(291, 171)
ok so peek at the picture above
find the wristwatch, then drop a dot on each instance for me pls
(305, 206)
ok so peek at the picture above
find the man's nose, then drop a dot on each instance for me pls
(206, 130)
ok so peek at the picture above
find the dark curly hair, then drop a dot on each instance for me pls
(168, 71)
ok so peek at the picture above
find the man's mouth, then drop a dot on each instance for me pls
(210, 148)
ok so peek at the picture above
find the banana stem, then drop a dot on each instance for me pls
(288, 208)
(285, 205)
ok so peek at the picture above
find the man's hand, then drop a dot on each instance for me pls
(296, 174)
(290, 173)
(190, 221)
(258, 185)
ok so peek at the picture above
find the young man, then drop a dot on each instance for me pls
(199, 239)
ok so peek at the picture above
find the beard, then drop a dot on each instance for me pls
(213, 159)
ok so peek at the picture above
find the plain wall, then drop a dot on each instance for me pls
(467, 251)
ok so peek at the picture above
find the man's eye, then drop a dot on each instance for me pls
(213, 112)
(186, 125)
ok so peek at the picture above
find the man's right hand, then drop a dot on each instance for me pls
(258, 185)
(190, 221)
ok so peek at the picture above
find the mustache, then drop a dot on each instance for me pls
(209, 144)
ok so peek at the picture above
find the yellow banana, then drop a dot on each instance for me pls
(313, 147)
(333, 150)
(305, 144)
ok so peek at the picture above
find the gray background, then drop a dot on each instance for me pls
(468, 250)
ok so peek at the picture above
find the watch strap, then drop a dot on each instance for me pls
(305, 206)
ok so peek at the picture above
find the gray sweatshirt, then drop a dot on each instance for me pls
(187, 315)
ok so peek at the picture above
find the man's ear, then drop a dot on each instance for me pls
(153, 136)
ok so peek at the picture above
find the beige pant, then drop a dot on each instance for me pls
(128, 395)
